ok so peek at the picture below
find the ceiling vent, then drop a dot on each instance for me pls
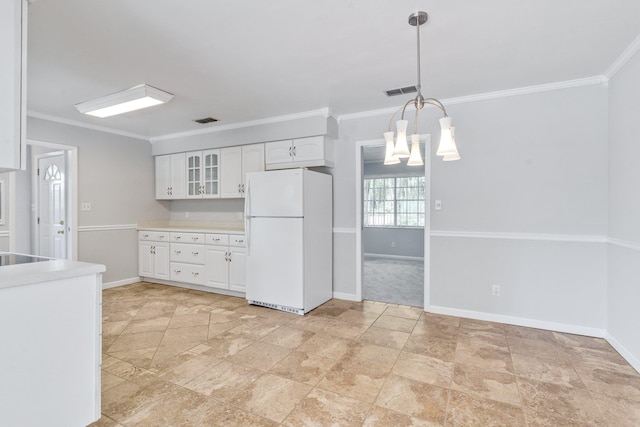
(401, 91)
(206, 120)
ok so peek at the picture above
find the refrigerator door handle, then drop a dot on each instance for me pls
(247, 216)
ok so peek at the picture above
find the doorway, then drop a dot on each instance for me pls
(50, 204)
(52, 201)
(393, 227)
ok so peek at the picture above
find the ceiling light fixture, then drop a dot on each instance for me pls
(135, 98)
(400, 149)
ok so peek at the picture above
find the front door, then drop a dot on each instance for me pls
(51, 206)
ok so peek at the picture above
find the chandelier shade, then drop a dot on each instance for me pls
(399, 149)
(389, 159)
(453, 154)
(415, 159)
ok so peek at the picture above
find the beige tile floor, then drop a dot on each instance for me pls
(178, 357)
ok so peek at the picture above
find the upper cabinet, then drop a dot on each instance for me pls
(170, 176)
(221, 172)
(235, 163)
(203, 174)
(302, 152)
(13, 83)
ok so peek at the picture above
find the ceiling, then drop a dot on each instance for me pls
(241, 61)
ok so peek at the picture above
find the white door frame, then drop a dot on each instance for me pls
(427, 211)
(71, 153)
(36, 225)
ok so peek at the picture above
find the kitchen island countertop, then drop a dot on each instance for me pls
(44, 271)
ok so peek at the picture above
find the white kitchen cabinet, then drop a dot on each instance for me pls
(225, 261)
(203, 174)
(236, 162)
(153, 255)
(237, 267)
(170, 176)
(13, 84)
(302, 152)
(187, 257)
(231, 172)
(50, 361)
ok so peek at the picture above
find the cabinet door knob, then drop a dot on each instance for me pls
(177, 271)
(195, 274)
(178, 252)
(195, 253)
(178, 237)
(195, 239)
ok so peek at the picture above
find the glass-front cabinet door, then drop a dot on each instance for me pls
(194, 175)
(211, 173)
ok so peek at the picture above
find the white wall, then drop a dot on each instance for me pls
(4, 228)
(402, 242)
(116, 175)
(533, 167)
(623, 289)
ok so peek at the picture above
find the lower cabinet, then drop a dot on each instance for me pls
(225, 261)
(153, 254)
(214, 260)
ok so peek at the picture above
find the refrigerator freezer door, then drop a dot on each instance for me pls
(275, 262)
(275, 193)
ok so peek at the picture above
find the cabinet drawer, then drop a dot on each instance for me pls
(237, 240)
(184, 252)
(187, 273)
(187, 237)
(157, 236)
(217, 239)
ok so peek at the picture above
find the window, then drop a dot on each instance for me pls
(394, 202)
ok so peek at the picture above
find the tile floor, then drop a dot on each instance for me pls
(178, 357)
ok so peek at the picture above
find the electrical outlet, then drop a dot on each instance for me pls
(495, 290)
(393, 244)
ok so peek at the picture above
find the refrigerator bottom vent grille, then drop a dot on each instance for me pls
(278, 307)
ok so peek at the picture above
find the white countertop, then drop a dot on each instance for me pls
(45, 271)
(193, 226)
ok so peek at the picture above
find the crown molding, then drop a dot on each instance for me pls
(323, 112)
(57, 119)
(624, 57)
(596, 80)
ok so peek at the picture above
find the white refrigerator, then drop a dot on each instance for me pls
(288, 225)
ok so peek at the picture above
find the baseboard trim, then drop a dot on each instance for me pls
(411, 258)
(628, 356)
(519, 321)
(122, 282)
(194, 287)
(347, 297)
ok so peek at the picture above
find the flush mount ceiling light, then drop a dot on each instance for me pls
(135, 98)
(400, 149)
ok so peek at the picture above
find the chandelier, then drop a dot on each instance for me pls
(400, 149)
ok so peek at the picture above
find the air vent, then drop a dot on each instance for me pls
(206, 120)
(401, 91)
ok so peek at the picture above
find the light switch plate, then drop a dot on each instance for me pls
(85, 206)
(438, 205)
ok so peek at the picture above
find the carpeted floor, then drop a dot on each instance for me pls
(395, 281)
